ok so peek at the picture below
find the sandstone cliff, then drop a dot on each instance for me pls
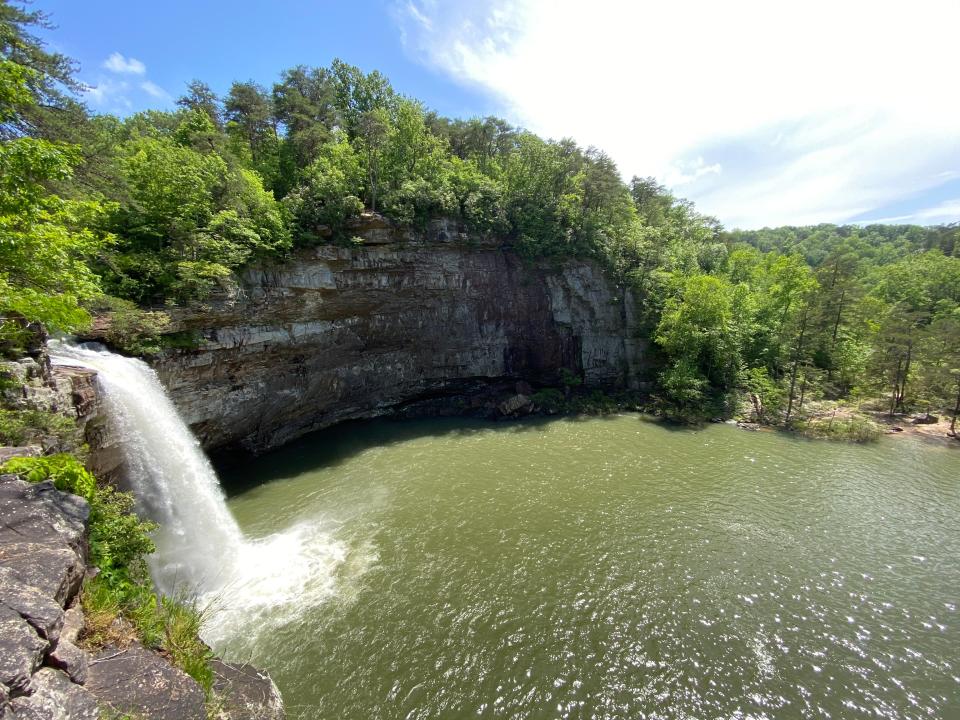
(338, 333)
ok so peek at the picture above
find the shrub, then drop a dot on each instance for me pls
(25, 427)
(854, 429)
(129, 328)
(68, 473)
(119, 540)
(549, 400)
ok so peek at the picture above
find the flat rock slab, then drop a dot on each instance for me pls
(54, 697)
(8, 452)
(56, 572)
(246, 693)
(141, 683)
(39, 513)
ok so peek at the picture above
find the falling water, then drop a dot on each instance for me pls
(200, 549)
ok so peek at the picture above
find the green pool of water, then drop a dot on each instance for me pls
(610, 568)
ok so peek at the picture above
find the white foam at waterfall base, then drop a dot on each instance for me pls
(201, 552)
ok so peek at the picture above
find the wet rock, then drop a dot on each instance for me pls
(54, 697)
(78, 388)
(246, 693)
(21, 651)
(139, 682)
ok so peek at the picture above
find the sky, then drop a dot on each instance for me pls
(763, 112)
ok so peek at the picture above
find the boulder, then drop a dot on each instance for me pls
(34, 606)
(73, 624)
(513, 405)
(139, 682)
(72, 660)
(21, 651)
(54, 697)
(246, 693)
(78, 385)
(925, 419)
(8, 452)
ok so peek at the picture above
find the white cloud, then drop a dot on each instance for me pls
(946, 212)
(109, 95)
(816, 111)
(684, 172)
(154, 90)
(119, 64)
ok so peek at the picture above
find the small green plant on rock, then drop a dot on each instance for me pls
(37, 427)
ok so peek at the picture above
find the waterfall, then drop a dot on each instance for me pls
(201, 551)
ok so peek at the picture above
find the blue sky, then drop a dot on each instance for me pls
(762, 113)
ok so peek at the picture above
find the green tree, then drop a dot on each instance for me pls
(374, 133)
(329, 193)
(200, 97)
(698, 334)
(45, 240)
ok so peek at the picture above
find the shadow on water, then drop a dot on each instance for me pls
(338, 444)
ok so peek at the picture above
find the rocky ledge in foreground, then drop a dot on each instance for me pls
(44, 674)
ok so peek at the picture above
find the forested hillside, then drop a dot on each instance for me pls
(128, 216)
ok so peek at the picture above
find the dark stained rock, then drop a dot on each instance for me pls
(82, 387)
(139, 682)
(34, 606)
(21, 651)
(246, 693)
(54, 697)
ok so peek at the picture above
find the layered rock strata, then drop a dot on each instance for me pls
(337, 333)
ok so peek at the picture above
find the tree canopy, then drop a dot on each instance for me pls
(166, 206)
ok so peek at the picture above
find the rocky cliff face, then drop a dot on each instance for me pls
(339, 333)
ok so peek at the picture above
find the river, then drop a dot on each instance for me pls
(603, 568)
